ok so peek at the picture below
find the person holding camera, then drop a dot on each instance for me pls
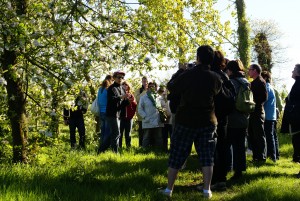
(74, 118)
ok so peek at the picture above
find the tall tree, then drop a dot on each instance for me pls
(244, 44)
(267, 49)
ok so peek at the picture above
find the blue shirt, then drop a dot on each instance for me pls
(270, 104)
(102, 99)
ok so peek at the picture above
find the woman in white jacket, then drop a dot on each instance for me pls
(151, 123)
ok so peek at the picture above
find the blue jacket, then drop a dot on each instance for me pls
(270, 104)
(102, 99)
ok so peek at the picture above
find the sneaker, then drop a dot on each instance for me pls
(166, 193)
(219, 186)
(207, 195)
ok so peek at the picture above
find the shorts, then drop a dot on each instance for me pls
(181, 145)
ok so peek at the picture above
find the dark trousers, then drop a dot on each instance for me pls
(276, 141)
(237, 139)
(296, 146)
(125, 126)
(222, 153)
(79, 124)
(270, 138)
(140, 133)
(166, 132)
(257, 137)
(114, 125)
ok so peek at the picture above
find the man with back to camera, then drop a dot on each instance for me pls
(256, 131)
(195, 118)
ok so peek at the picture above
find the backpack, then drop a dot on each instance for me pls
(225, 99)
(244, 99)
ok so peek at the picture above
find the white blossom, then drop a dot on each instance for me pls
(2, 81)
(36, 43)
(50, 32)
(48, 133)
(53, 113)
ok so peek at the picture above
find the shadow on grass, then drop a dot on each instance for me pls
(106, 180)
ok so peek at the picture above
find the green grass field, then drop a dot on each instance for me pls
(59, 173)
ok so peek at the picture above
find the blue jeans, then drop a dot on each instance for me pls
(114, 125)
(125, 125)
(269, 126)
(79, 124)
(104, 140)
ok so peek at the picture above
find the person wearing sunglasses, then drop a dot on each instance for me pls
(117, 99)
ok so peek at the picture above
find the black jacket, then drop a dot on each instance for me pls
(260, 94)
(114, 103)
(76, 112)
(198, 87)
(293, 98)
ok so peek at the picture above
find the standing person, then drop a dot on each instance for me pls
(256, 131)
(270, 119)
(167, 129)
(104, 139)
(289, 124)
(127, 115)
(117, 99)
(138, 94)
(196, 121)
(74, 118)
(237, 121)
(152, 126)
(223, 151)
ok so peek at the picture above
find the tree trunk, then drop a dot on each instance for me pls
(243, 33)
(16, 106)
(16, 97)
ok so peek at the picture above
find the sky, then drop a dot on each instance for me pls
(284, 13)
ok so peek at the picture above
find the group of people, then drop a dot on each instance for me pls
(220, 136)
(196, 112)
(118, 105)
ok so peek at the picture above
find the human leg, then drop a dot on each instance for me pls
(257, 136)
(122, 130)
(128, 127)
(105, 134)
(205, 145)
(269, 131)
(72, 127)
(140, 133)
(296, 146)
(114, 124)
(81, 131)
(237, 137)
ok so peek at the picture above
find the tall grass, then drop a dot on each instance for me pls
(59, 173)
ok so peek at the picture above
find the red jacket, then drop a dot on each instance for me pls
(130, 109)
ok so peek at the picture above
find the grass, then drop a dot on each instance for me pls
(59, 173)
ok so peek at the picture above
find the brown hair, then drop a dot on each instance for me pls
(235, 66)
(106, 82)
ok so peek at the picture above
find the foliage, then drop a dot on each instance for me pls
(50, 50)
(267, 50)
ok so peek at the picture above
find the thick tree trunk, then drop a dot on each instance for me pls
(16, 106)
